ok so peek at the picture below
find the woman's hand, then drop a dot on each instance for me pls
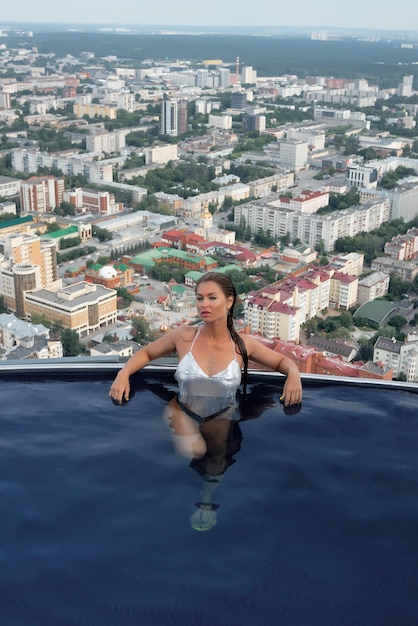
(120, 388)
(292, 389)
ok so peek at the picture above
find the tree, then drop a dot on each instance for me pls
(141, 330)
(71, 242)
(369, 154)
(352, 146)
(102, 234)
(123, 293)
(397, 286)
(71, 344)
(65, 208)
(109, 337)
(365, 352)
(345, 319)
(398, 322)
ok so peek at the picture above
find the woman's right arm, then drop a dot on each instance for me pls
(154, 350)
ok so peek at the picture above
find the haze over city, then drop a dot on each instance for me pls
(327, 14)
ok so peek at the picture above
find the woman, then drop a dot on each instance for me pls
(210, 357)
(203, 415)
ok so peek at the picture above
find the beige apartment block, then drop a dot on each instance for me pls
(373, 286)
(83, 307)
(101, 110)
(161, 154)
(343, 291)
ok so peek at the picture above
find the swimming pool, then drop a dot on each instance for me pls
(317, 518)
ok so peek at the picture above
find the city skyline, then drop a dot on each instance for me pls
(218, 14)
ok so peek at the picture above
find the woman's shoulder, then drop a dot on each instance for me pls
(184, 332)
(250, 342)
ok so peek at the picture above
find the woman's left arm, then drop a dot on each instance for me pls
(292, 389)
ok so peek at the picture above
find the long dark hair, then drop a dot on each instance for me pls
(228, 289)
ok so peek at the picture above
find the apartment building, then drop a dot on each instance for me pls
(312, 229)
(340, 117)
(28, 263)
(7, 208)
(271, 184)
(404, 201)
(350, 263)
(9, 186)
(273, 319)
(248, 75)
(399, 355)
(308, 202)
(343, 291)
(223, 121)
(122, 99)
(373, 286)
(204, 105)
(30, 159)
(41, 194)
(161, 154)
(251, 122)
(280, 310)
(108, 142)
(173, 117)
(315, 138)
(403, 247)
(293, 153)
(93, 110)
(407, 270)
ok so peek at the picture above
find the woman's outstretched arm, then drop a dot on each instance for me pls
(160, 347)
(292, 390)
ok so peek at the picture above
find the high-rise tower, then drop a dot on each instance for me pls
(173, 119)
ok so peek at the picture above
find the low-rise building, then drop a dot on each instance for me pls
(110, 276)
(82, 307)
(20, 339)
(399, 355)
(373, 286)
(403, 247)
(121, 348)
(407, 270)
(9, 186)
(94, 201)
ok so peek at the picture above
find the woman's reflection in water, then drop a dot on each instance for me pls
(223, 440)
(212, 444)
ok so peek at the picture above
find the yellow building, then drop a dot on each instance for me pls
(101, 110)
(83, 307)
(28, 263)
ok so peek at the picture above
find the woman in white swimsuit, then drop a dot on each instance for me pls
(211, 358)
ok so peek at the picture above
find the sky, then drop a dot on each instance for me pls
(373, 14)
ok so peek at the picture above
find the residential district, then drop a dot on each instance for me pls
(121, 185)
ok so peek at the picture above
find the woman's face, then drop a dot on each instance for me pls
(211, 302)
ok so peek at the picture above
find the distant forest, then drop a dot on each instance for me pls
(383, 63)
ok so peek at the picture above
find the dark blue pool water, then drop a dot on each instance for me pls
(317, 521)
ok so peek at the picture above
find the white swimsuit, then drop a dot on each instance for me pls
(207, 396)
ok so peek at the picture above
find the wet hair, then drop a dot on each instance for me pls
(228, 289)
